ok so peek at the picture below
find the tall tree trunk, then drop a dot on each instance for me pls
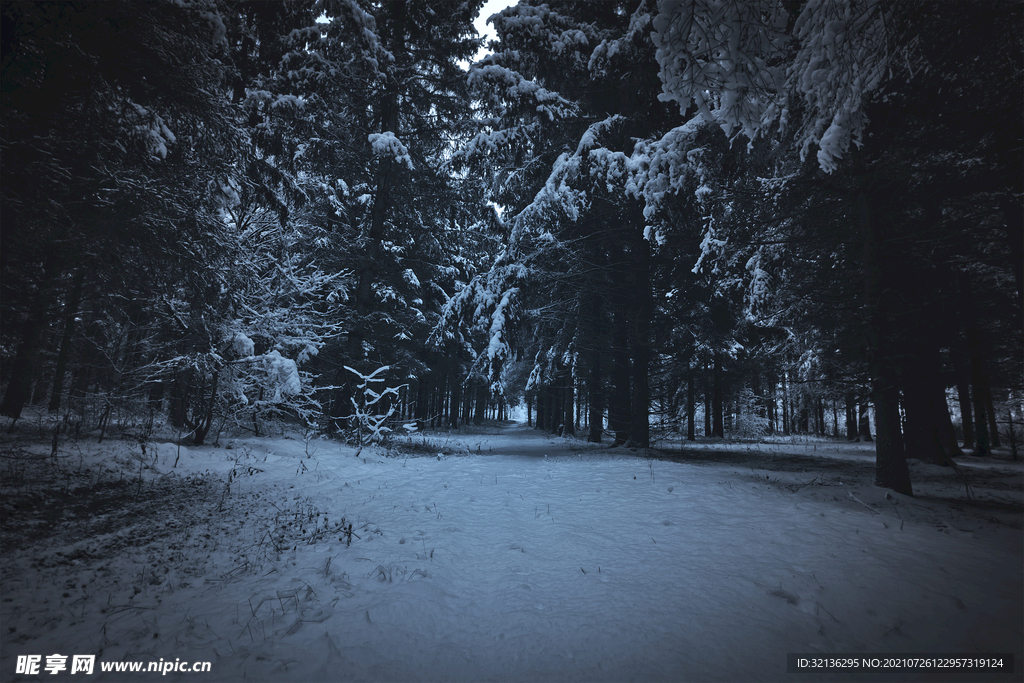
(962, 371)
(717, 417)
(640, 329)
(891, 469)
(708, 391)
(691, 407)
(180, 396)
(201, 422)
(787, 427)
(568, 403)
(929, 436)
(979, 380)
(1013, 224)
(482, 396)
(596, 399)
(580, 410)
(70, 313)
(619, 414)
(822, 430)
(990, 412)
(390, 119)
(23, 368)
(555, 397)
(454, 401)
(542, 409)
(864, 416)
(851, 416)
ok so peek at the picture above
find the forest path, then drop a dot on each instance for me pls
(493, 562)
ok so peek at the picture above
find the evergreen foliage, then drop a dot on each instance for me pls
(717, 219)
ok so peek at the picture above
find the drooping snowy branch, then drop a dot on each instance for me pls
(742, 66)
(722, 56)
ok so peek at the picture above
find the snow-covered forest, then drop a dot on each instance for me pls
(784, 218)
(326, 230)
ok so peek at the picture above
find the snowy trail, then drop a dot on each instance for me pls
(588, 565)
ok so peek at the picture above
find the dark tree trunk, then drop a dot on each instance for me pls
(482, 395)
(555, 396)
(691, 406)
(20, 385)
(582, 407)
(420, 411)
(864, 417)
(180, 390)
(891, 469)
(596, 400)
(23, 368)
(569, 404)
(962, 371)
(1013, 223)
(851, 416)
(820, 418)
(990, 413)
(542, 409)
(929, 434)
(979, 381)
(156, 397)
(708, 383)
(717, 417)
(757, 405)
(202, 422)
(993, 430)
(454, 402)
(640, 342)
(787, 428)
(619, 414)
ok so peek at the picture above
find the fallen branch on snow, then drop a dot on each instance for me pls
(858, 499)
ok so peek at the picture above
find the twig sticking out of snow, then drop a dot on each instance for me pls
(818, 604)
(888, 496)
(858, 499)
(967, 484)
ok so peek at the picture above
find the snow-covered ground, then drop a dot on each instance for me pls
(512, 556)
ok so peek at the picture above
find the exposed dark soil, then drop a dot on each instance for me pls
(46, 500)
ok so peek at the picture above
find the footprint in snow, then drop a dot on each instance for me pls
(785, 595)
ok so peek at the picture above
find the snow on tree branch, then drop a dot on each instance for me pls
(386, 144)
(740, 66)
(722, 57)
